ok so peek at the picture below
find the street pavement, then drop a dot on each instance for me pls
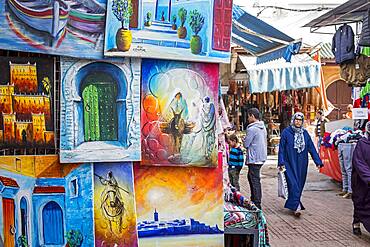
(327, 220)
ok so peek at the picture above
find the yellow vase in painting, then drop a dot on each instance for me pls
(123, 39)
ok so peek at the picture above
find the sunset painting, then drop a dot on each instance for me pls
(179, 206)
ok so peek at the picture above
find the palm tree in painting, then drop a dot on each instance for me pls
(46, 85)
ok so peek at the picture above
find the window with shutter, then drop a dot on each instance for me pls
(222, 14)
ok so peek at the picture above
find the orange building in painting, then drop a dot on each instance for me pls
(24, 111)
(24, 77)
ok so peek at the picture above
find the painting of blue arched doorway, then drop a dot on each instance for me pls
(102, 110)
(163, 10)
(52, 224)
(24, 218)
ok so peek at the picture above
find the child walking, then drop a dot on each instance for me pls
(236, 161)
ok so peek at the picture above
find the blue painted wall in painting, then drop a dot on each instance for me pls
(26, 185)
(79, 207)
(39, 201)
(72, 212)
(162, 6)
(205, 8)
(147, 6)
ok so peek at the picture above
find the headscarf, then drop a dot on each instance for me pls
(299, 143)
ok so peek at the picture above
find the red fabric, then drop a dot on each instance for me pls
(330, 160)
(357, 103)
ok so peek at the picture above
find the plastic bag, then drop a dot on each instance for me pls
(282, 185)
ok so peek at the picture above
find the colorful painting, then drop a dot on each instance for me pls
(169, 29)
(45, 204)
(114, 205)
(178, 116)
(179, 206)
(26, 106)
(100, 111)
(61, 27)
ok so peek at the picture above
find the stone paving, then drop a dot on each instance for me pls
(327, 220)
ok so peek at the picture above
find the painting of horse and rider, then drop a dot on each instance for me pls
(114, 207)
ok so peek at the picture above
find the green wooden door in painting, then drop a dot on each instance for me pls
(100, 113)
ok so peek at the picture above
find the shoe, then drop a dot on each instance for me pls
(297, 214)
(356, 230)
(342, 193)
(348, 196)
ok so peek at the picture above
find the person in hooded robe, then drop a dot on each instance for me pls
(295, 144)
(361, 183)
(208, 125)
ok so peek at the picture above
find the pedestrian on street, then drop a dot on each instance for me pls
(361, 183)
(320, 127)
(295, 144)
(256, 144)
(236, 161)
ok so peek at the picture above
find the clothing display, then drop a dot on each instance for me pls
(345, 154)
(343, 46)
(239, 212)
(365, 33)
(356, 72)
(361, 182)
(345, 135)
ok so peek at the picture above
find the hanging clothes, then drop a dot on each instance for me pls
(361, 183)
(343, 45)
(365, 33)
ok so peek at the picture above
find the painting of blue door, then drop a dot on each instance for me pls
(100, 111)
(163, 10)
(24, 217)
(52, 221)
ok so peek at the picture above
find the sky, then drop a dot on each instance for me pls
(291, 22)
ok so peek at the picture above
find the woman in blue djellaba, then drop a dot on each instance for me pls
(295, 144)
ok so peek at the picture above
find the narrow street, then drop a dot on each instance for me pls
(325, 222)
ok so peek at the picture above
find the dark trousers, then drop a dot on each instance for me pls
(234, 176)
(254, 179)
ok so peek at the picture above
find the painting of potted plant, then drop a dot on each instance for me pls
(182, 32)
(74, 238)
(196, 23)
(174, 20)
(148, 20)
(22, 241)
(122, 9)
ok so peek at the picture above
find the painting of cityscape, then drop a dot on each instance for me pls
(169, 29)
(43, 203)
(60, 27)
(178, 115)
(179, 206)
(26, 106)
(114, 200)
(100, 111)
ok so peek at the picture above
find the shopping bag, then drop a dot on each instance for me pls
(282, 185)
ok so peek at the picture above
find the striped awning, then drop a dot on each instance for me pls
(279, 75)
(255, 35)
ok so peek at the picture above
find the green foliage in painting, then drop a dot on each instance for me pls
(182, 15)
(122, 9)
(196, 21)
(74, 238)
